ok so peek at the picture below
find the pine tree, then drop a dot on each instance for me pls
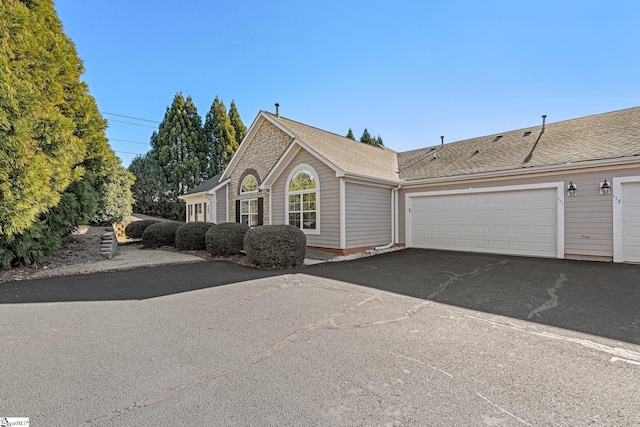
(219, 136)
(350, 135)
(366, 137)
(236, 122)
(179, 149)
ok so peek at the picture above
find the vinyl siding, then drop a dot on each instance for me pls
(368, 215)
(329, 201)
(221, 208)
(588, 216)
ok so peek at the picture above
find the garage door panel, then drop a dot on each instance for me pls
(522, 222)
(631, 221)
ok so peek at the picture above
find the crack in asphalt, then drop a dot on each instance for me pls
(553, 302)
(453, 277)
(275, 348)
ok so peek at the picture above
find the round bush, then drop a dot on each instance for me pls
(191, 235)
(226, 238)
(134, 229)
(275, 246)
(160, 234)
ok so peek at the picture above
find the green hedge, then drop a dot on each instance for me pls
(191, 235)
(275, 246)
(226, 238)
(160, 234)
(135, 229)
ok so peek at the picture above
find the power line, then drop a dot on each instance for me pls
(127, 152)
(134, 124)
(130, 117)
(125, 140)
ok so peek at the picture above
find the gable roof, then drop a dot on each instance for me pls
(209, 184)
(610, 135)
(352, 157)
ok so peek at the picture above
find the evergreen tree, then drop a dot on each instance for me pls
(179, 149)
(350, 135)
(236, 122)
(219, 136)
(149, 188)
(366, 137)
(54, 154)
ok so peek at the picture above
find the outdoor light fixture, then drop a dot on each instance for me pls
(572, 190)
(605, 187)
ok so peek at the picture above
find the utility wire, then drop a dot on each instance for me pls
(134, 124)
(130, 117)
(125, 140)
(127, 152)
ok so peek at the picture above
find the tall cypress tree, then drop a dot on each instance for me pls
(219, 136)
(179, 149)
(236, 122)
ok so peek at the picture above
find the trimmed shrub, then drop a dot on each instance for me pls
(134, 229)
(160, 234)
(191, 235)
(226, 238)
(275, 246)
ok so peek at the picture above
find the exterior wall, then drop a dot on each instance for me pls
(194, 201)
(328, 204)
(368, 215)
(221, 205)
(261, 155)
(588, 216)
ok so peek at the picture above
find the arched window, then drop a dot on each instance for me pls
(303, 199)
(249, 185)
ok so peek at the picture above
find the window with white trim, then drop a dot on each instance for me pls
(302, 199)
(249, 212)
(249, 185)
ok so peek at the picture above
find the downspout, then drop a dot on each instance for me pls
(394, 196)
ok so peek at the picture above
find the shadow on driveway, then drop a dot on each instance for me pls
(592, 297)
(130, 284)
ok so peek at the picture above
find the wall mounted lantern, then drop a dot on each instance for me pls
(605, 187)
(572, 190)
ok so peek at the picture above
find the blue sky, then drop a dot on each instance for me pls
(409, 71)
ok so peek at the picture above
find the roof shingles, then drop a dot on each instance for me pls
(348, 155)
(603, 136)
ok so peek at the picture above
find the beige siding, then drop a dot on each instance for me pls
(221, 208)
(588, 216)
(263, 152)
(368, 215)
(329, 201)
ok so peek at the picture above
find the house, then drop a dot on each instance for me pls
(568, 189)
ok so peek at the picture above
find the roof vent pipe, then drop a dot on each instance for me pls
(277, 110)
(442, 141)
(544, 117)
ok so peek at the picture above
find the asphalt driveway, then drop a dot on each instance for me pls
(434, 338)
(596, 298)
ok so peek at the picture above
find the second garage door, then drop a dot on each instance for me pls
(517, 222)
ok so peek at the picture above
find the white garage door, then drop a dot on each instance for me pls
(631, 221)
(522, 222)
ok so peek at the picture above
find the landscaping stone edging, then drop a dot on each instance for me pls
(109, 245)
